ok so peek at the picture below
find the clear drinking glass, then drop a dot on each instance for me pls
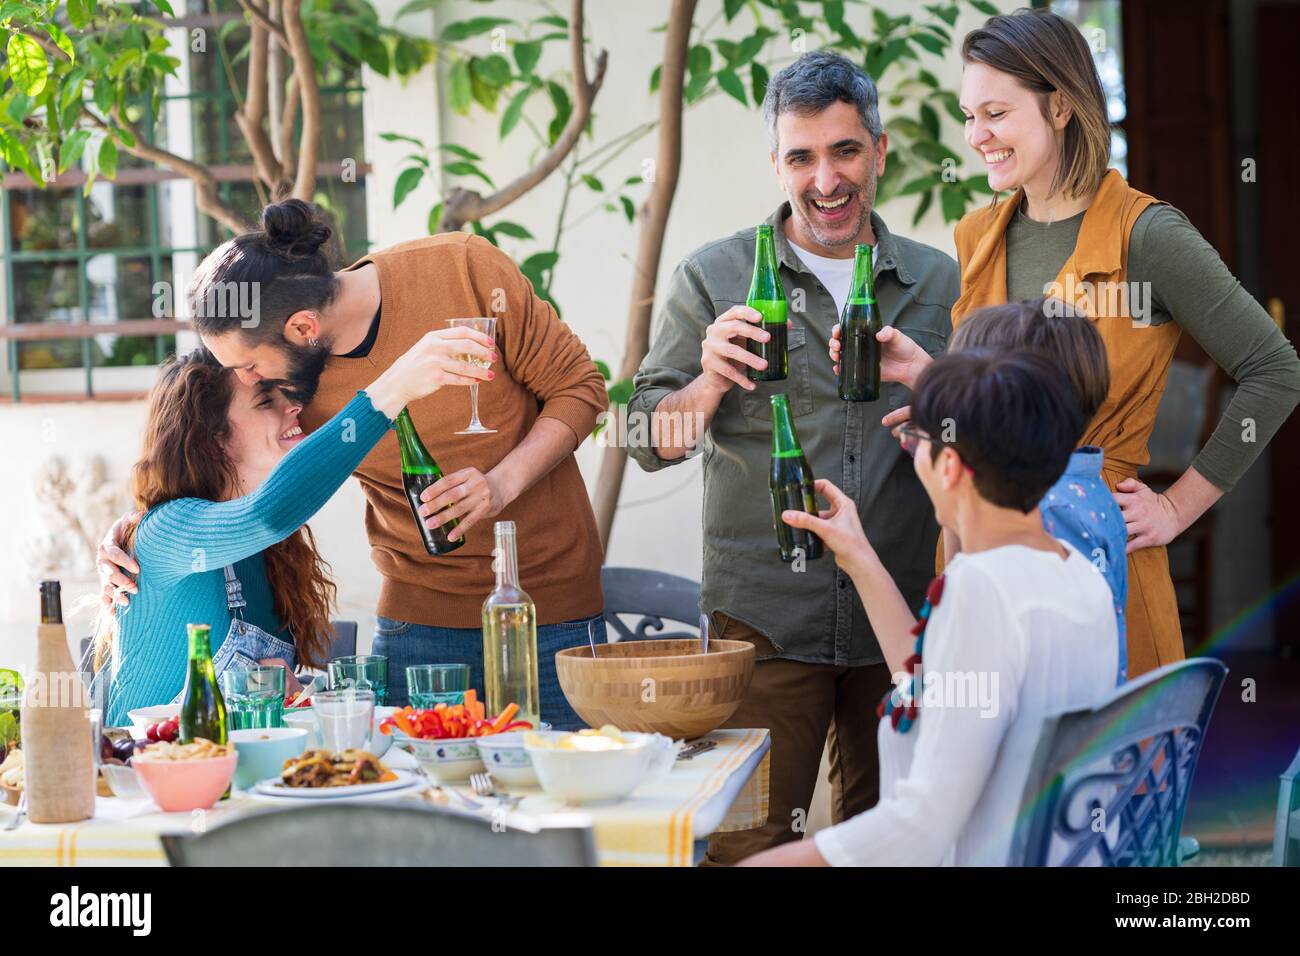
(430, 684)
(345, 719)
(488, 327)
(254, 696)
(362, 671)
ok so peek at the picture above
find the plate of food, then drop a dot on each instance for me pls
(323, 775)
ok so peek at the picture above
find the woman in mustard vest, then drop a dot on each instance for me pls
(1074, 229)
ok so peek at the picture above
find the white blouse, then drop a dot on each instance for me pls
(1017, 634)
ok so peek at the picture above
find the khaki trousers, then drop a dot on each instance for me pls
(804, 707)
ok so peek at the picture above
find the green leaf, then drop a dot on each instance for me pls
(165, 7)
(417, 6)
(375, 52)
(460, 151)
(79, 12)
(633, 181)
(407, 57)
(947, 13)
(751, 45)
(952, 105)
(527, 53)
(345, 38)
(933, 151)
(620, 393)
(979, 184)
(930, 43)
(460, 93)
(464, 29)
(952, 199)
(407, 180)
(654, 78)
(19, 107)
(879, 59)
(401, 138)
(493, 70)
(986, 8)
(468, 169)
(540, 262)
(559, 22)
(603, 368)
(125, 135)
(758, 81)
(730, 83)
(563, 109)
(731, 7)
(699, 60)
(435, 219)
(512, 229)
(70, 149)
(922, 208)
(27, 64)
(593, 183)
(108, 157)
(696, 87)
(485, 232)
(930, 120)
(61, 41)
(514, 111)
(922, 184)
(105, 94)
(629, 209)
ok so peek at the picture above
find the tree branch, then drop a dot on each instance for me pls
(653, 217)
(252, 115)
(206, 195)
(466, 205)
(261, 16)
(288, 121)
(304, 70)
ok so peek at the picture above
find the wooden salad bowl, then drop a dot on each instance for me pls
(667, 686)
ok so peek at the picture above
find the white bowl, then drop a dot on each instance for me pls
(123, 781)
(593, 776)
(142, 718)
(449, 760)
(506, 759)
(305, 718)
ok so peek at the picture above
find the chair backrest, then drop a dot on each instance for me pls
(1108, 785)
(653, 595)
(1286, 832)
(345, 639)
(378, 834)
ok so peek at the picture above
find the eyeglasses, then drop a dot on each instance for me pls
(910, 438)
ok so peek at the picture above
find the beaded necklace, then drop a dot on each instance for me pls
(903, 716)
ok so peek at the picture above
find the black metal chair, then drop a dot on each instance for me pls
(656, 597)
(1108, 784)
(378, 834)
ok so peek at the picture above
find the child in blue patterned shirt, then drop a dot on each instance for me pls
(1079, 508)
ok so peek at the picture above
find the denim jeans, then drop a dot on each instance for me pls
(405, 644)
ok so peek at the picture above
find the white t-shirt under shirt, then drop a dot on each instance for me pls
(1037, 632)
(835, 274)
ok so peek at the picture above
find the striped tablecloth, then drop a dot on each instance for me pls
(723, 789)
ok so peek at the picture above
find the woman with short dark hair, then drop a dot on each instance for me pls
(1018, 626)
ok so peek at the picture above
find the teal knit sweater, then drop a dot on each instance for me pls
(183, 546)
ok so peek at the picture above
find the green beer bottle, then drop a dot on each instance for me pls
(203, 709)
(768, 297)
(859, 378)
(791, 483)
(419, 471)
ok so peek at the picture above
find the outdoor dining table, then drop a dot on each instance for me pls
(663, 823)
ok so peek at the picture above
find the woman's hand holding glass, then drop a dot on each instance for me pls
(437, 359)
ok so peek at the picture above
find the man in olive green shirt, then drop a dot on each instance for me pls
(819, 667)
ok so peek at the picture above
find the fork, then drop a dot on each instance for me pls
(481, 783)
(21, 812)
(433, 785)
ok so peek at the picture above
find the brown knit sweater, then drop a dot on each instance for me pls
(544, 370)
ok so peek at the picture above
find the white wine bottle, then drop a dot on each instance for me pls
(510, 636)
(58, 749)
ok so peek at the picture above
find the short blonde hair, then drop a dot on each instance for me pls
(1048, 54)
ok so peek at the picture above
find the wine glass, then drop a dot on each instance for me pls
(488, 327)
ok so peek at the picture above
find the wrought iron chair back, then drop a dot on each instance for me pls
(1108, 785)
(656, 596)
(379, 834)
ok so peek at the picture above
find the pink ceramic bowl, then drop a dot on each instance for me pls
(181, 785)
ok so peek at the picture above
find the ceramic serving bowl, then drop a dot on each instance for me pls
(144, 717)
(451, 760)
(183, 785)
(593, 776)
(506, 759)
(262, 753)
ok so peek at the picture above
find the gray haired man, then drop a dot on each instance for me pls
(820, 673)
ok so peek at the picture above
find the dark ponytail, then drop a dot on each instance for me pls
(256, 280)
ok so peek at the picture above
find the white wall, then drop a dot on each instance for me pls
(726, 183)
